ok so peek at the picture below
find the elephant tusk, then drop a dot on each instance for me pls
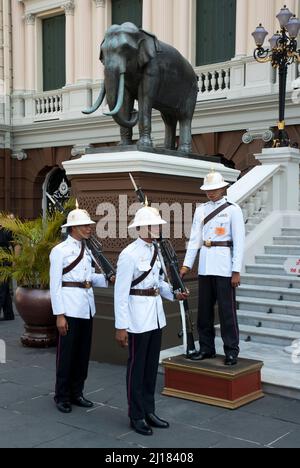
(97, 104)
(121, 91)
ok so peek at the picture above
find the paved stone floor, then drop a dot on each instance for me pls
(29, 418)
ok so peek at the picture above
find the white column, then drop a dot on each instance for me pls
(162, 20)
(147, 15)
(260, 12)
(70, 38)
(83, 20)
(182, 26)
(241, 28)
(30, 52)
(98, 35)
(18, 44)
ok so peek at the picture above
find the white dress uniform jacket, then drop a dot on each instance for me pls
(139, 314)
(226, 226)
(73, 302)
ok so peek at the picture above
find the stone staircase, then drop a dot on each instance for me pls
(269, 314)
(269, 299)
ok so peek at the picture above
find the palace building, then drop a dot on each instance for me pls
(50, 71)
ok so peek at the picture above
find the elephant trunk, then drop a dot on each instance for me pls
(97, 104)
(116, 99)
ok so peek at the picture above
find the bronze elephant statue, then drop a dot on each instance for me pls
(137, 66)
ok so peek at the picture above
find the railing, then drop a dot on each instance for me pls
(230, 80)
(254, 193)
(257, 206)
(214, 81)
(238, 78)
(48, 106)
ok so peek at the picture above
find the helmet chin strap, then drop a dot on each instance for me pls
(152, 236)
(81, 234)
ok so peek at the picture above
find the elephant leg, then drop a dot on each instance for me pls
(126, 136)
(185, 139)
(126, 133)
(145, 114)
(145, 126)
(170, 131)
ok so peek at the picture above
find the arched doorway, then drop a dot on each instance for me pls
(57, 185)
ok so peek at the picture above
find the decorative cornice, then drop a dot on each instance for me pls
(29, 19)
(139, 161)
(100, 3)
(19, 155)
(79, 150)
(266, 135)
(69, 7)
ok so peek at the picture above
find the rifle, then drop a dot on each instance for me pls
(93, 244)
(169, 260)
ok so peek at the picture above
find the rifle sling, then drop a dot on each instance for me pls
(75, 263)
(216, 212)
(146, 273)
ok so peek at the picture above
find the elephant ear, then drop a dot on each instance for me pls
(148, 48)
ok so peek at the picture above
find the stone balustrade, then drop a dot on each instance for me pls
(257, 206)
(48, 106)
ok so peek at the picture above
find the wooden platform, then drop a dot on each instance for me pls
(213, 383)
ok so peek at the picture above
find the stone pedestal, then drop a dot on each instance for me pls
(212, 383)
(100, 181)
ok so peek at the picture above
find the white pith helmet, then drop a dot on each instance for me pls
(147, 216)
(78, 218)
(214, 181)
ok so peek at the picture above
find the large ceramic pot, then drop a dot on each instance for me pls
(34, 306)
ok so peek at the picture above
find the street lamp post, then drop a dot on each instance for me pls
(282, 53)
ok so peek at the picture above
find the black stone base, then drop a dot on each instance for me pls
(154, 150)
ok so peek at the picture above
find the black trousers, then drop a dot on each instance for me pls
(212, 290)
(5, 301)
(144, 350)
(73, 355)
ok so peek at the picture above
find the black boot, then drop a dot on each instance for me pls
(155, 421)
(202, 356)
(141, 427)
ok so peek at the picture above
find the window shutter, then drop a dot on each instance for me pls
(54, 53)
(216, 26)
(127, 10)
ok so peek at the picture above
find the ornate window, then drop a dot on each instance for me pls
(216, 26)
(127, 10)
(54, 52)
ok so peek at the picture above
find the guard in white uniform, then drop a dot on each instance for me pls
(140, 317)
(219, 232)
(71, 279)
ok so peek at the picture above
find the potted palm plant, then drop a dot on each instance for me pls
(28, 264)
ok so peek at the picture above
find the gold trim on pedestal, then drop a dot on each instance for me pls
(214, 401)
(232, 375)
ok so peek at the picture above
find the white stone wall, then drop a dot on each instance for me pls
(172, 21)
(243, 81)
(1, 42)
(6, 72)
